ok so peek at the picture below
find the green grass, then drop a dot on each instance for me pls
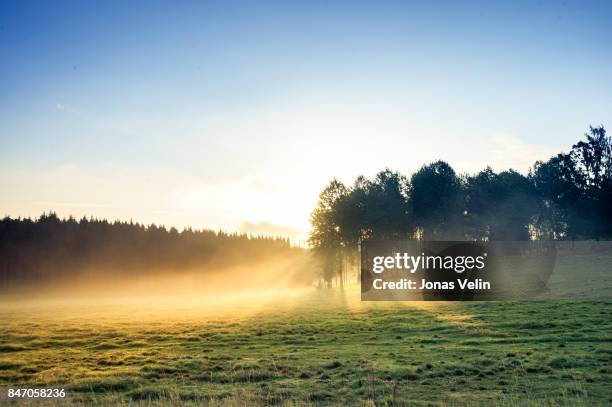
(320, 348)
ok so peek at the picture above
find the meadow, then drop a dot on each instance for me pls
(311, 347)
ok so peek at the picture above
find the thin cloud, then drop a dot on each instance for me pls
(508, 151)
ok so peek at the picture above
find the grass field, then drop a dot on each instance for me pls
(311, 348)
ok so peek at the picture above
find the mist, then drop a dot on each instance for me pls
(68, 258)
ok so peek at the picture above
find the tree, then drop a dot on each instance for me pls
(576, 189)
(325, 237)
(593, 163)
(593, 159)
(557, 184)
(500, 206)
(436, 201)
(389, 210)
(344, 216)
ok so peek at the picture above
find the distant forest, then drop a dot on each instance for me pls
(49, 248)
(567, 197)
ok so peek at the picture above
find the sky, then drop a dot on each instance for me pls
(234, 115)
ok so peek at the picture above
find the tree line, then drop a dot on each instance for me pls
(49, 248)
(567, 197)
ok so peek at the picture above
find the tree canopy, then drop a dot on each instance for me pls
(567, 197)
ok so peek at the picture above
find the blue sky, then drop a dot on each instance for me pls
(233, 115)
